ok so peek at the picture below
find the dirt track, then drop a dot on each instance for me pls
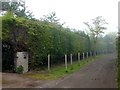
(99, 74)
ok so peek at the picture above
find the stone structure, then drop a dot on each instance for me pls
(22, 59)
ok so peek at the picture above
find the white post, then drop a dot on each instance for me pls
(65, 61)
(87, 54)
(48, 62)
(79, 57)
(83, 56)
(71, 58)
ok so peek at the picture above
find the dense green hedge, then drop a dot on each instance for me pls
(41, 38)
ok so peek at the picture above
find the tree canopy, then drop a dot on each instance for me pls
(96, 28)
(17, 8)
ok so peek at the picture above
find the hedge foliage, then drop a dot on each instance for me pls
(41, 38)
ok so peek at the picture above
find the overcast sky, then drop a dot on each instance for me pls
(75, 12)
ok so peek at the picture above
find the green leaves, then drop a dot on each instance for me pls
(41, 38)
(51, 18)
(17, 8)
(96, 28)
(20, 69)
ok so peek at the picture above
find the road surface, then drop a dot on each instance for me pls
(99, 74)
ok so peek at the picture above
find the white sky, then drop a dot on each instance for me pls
(75, 12)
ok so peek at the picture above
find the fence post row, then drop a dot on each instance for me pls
(79, 57)
(48, 62)
(83, 56)
(71, 58)
(65, 61)
(87, 54)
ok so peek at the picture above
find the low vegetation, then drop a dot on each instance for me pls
(60, 71)
(20, 69)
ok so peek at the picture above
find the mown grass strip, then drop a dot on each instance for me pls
(60, 71)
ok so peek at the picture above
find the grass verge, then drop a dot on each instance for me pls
(59, 71)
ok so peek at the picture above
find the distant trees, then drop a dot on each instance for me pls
(107, 43)
(110, 40)
(96, 28)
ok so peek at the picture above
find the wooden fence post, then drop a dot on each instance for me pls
(66, 62)
(87, 54)
(48, 62)
(71, 58)
(79, 57)
(83, 56)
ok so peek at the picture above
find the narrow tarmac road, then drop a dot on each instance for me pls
(99, 74)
